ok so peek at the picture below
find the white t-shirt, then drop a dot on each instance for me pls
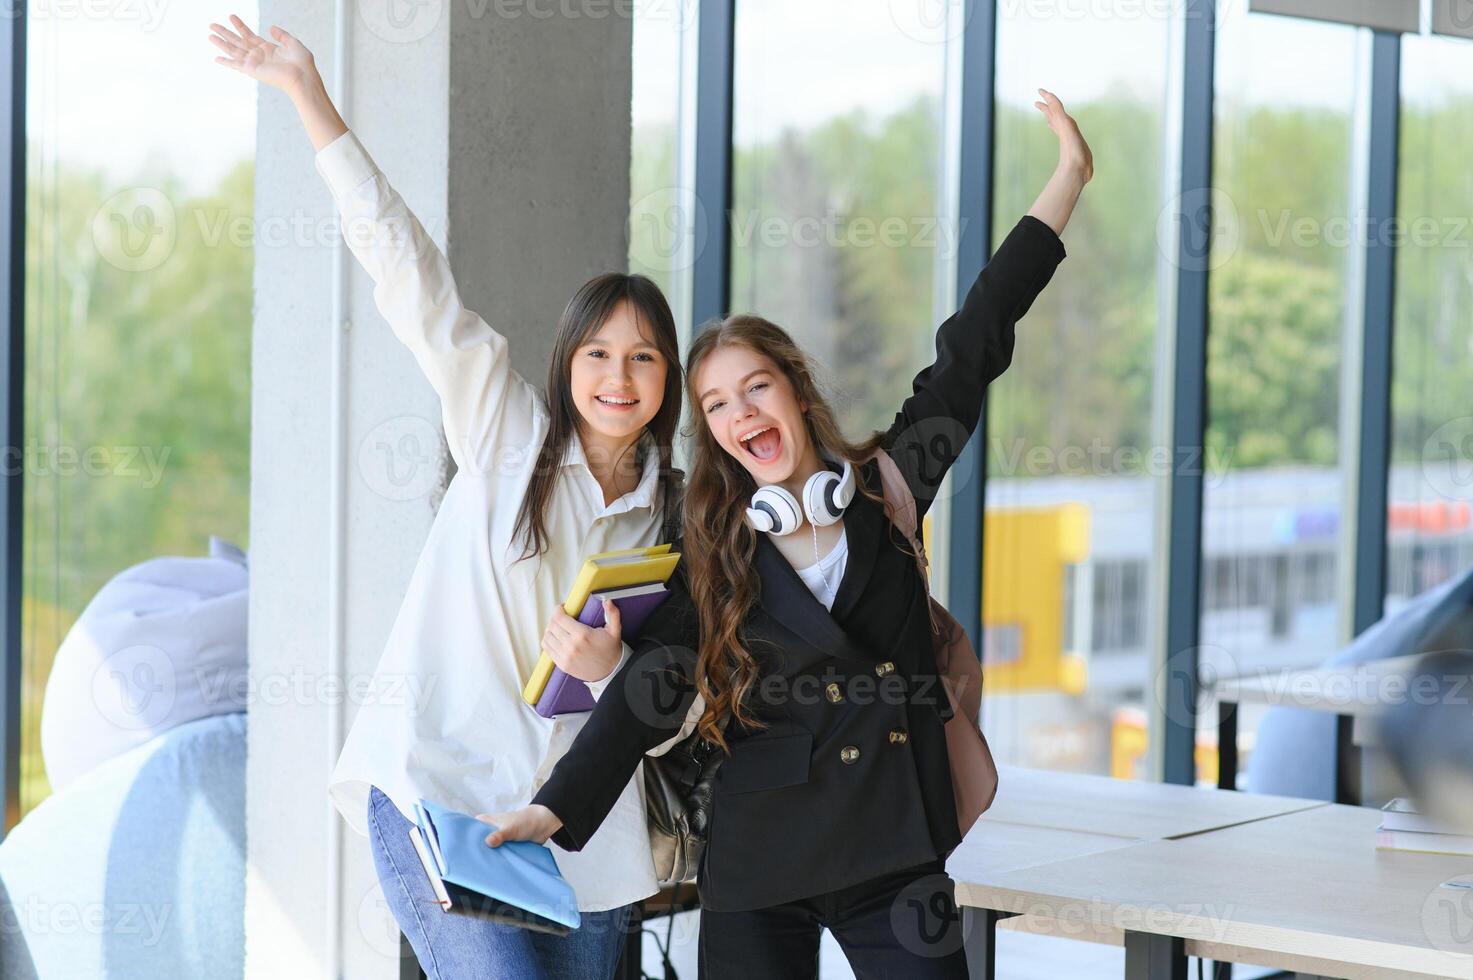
(823, 576)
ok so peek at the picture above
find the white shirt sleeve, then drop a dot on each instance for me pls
(596, 688)
(484, 402)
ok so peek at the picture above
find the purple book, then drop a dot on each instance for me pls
(565, 693)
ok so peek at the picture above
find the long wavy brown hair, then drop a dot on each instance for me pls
(719, 543)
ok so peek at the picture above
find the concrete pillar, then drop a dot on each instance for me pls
(505, 126)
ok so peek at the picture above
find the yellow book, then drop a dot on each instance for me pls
(600, 573)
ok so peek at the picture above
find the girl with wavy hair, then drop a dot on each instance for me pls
(802, 620)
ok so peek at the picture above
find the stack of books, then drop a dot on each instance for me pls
(634, 580)
(1404, 829)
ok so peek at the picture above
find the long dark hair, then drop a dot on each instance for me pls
(719, 543)
(588, 310)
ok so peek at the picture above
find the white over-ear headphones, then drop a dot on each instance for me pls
(825, 496)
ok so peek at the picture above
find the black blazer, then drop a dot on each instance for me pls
(850, 778)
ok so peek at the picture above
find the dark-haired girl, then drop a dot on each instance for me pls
(803, 622)
(542, 481)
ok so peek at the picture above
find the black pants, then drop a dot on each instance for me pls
(900, 926)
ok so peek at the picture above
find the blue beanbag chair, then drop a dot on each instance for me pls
(137, 868)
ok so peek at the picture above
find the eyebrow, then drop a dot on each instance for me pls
(750, 375)
(645, 345)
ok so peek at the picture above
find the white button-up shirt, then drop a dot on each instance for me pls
(444, 718)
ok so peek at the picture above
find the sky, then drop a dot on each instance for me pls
(137, 85)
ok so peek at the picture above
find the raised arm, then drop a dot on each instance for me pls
(975, 344)
(484, 403)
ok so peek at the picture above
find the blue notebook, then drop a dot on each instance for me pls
(517, 883)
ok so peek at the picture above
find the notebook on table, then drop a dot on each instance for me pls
(516, 883)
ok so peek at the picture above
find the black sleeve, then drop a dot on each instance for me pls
(644, 704)
(973, 346)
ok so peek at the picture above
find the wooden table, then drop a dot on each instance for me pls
(1129, 808)
(1042, 817)
(1304, 890)
(1352, 693)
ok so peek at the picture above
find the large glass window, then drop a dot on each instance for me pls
(838, 231)
(1069, 533)
(664, 231)
(138, 313)
(1430, 523)
(1283, 295)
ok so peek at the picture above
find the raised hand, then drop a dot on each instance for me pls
(1074, 154)
(286, 65)
(1056, 201)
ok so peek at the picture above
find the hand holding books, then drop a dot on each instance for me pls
(634, 581)
(533, 822)
(518, 884)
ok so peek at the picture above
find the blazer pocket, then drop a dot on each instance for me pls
(765, 763)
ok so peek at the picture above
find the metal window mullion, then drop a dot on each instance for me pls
(1188, 374)
(974, 210)
(715, 66)
(1373, 451)
(12, 262)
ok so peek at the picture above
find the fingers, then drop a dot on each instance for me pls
(559, 647)
(612, 622)
(234, 50)
(495, 820)
(245, 31)
(559, 627)
(225, 36)
(562, 622)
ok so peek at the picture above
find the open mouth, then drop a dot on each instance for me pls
(616, 403)
(763, 444)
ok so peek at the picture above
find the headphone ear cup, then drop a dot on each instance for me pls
(822, 497)
(844, 491)
(774, 510)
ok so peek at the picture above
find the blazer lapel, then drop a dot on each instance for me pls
(786, 598)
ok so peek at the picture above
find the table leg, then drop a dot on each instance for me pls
(979, 938)
(1221, 970)
(1347, 762)
(1227, 745)
(1152, 957)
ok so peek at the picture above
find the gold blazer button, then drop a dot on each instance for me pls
(849, 754)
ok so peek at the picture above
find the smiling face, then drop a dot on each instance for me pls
(754, 414)
(617, 377)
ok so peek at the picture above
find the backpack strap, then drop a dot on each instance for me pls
(900, 506)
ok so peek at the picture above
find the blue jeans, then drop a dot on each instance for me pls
(457, 947)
